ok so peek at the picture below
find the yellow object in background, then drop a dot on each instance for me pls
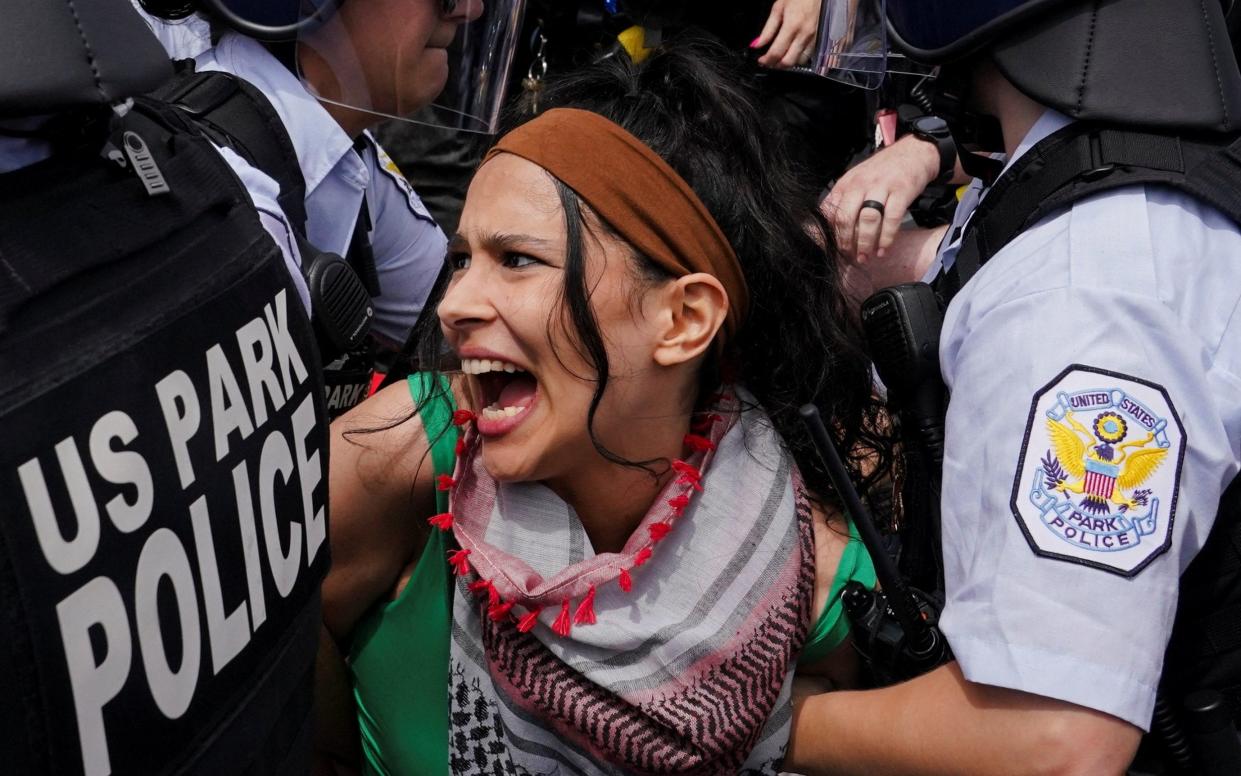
(634, 41)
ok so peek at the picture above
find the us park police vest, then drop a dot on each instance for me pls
(163, 471)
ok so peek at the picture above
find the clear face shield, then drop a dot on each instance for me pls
(444, 63)
(852, 45)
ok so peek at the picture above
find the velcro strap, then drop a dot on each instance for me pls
(200, 93)
(1137, 149)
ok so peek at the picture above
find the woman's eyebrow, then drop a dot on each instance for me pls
(498, 242)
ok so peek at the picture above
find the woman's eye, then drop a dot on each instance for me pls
(519, 260)
(458, 261)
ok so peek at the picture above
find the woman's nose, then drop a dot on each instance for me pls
(465, 304)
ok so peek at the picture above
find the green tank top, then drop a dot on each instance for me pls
(399, 655)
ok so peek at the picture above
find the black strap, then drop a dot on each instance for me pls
(361, 255)
(1085, 159)
(235, 114)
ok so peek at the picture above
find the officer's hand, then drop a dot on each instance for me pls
(892, 177)
(791, 30)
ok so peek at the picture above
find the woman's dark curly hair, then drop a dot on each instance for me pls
(692, 102)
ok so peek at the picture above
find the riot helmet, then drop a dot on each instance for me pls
(1161, 64)
(391, 58)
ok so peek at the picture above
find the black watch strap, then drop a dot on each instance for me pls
(935, 130)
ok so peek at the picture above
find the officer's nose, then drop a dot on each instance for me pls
(463, 11)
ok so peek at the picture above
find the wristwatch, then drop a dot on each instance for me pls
(935, 130)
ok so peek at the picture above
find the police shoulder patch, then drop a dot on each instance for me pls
(389, 168)
(1099, 471)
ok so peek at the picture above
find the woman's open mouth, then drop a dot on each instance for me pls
(506, 393)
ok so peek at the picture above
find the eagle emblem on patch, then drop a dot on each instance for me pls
(389, 168)
(1099, 471)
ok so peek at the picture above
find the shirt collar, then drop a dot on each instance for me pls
(1049, 122)
(317, 139)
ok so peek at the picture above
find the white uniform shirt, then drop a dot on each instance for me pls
(1118, 313)
(409, 247)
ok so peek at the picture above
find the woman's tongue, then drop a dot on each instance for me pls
(518, 392)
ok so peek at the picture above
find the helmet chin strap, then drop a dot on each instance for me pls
(976, 134)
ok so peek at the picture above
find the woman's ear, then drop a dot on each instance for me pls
(696, 306)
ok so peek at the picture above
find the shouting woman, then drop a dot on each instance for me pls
(635, 546)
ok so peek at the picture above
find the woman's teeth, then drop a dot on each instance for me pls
(495, 412)
(479, 366)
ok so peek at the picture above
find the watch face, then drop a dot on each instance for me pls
(929, 124)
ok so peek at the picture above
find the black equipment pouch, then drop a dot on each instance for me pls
(233, 113)
(902, 325)
(1078, 161)
(164, 471)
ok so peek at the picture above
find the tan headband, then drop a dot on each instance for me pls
(635, 192)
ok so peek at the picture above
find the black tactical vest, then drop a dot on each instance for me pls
(163, 471)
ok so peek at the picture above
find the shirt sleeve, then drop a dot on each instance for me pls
(263, 192)
(1085, 455)
(409, 247)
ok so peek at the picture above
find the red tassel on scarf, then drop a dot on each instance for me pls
(461, 417)
(703, 425)
(485, 586)
(563, 623)
(444, 482)
(441, 521)
(658, 530)
(643, 556)
(459, 561)
(689, 474)
(678, 504)
(498, 612)
(527, 623)
(586, 610)
(460, 448)
(698, 443)
(626, 581)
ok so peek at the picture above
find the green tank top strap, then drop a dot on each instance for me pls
(832, 627)
(436, 417)
(399, 654)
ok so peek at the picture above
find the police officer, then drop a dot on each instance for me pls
(163, 469)
(330, 70)
(1093, 363)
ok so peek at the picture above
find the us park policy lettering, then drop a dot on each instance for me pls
(212, 476)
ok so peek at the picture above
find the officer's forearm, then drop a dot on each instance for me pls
(942, 724)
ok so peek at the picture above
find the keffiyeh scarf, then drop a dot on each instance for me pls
(675, 655)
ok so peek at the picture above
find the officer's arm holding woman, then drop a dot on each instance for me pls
(1093, 422)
